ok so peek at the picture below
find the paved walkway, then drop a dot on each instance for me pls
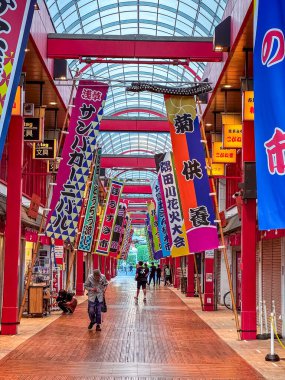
(163, 339)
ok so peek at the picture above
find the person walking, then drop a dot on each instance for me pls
(167, 276)
(146, 270)
(158, 275)
(141, 278)
(96, 286)
(152, 274)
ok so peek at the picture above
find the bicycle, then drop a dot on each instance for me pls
(228, 301)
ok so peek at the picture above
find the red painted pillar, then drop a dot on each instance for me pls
(102, 261)
(209, 304)
(79, 274)
(190, 276)
(248, 246)
(107, 268)
(95, 261)
(13, 227)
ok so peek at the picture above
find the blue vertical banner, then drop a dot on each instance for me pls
(269, 124)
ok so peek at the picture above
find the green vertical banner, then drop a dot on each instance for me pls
(86, 238)
(148, 243)
(154, 230)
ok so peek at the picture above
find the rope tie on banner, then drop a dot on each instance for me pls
(276, 334)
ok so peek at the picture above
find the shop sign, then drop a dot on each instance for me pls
(44, 150)
(209, 254)
(109, 217)
(232, 135)
(248, 105)
(29, 110)
(87, 233)
(31, 235)
(16, 17)
(77, 156)
(214, 169)
(33, 128)
(51, 164)
(58, 251)
(118, 230)
(221, 155)
(33, 210)
(17, 105)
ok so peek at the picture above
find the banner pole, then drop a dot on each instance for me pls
(223, 246)
(41, 228)
(198, 282)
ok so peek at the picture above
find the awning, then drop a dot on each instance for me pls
(233, 224)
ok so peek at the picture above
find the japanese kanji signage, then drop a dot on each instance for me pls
(118, 230)
(221, 155)
(126, 223)
(34, 206)
(269, 118)
(202, 234)
(232, 136)
(248, 105)
(189, 158)
(176, 227)
(109, 217)
(87, 233)
(154, 230)
(15, 18)
(77, 156)
(150, 237)
(44, 150)
(161, 220)
(33, 128)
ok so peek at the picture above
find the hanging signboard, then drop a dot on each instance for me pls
(33, 210)
(248, 105)
(232, 136)
(221, 155)
(51, 164)
(44, 150)
(124, 229)
(177, 231)
(76, 160)
(33, 128)
(87, 233)
(16, 18)
(109, 217)
(214, 169)
(118, 230)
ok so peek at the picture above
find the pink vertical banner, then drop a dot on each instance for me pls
(77, 156)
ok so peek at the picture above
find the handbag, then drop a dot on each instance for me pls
(104, 306)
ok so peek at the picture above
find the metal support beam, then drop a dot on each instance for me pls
(128, 161)
(76, 46)
(119, 124)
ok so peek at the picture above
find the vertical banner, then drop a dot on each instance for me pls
(124, 229)
(171, 203)
(16, 18)
(149, 238)
(128, 245)
(86, 237)
(124, 248)
(154, 230)
(118, 230)
(269, 113)
(77, 156)
(109, 217)
(161, 220)
(189, 158)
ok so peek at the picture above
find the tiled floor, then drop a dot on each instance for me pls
(163, 339)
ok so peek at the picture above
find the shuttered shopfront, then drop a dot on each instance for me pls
(271, 277)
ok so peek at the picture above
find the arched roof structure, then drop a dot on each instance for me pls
(163, 18)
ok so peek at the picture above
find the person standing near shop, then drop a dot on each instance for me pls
(158, 275)
(152, 274)
(96, 286)
(167, 276)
